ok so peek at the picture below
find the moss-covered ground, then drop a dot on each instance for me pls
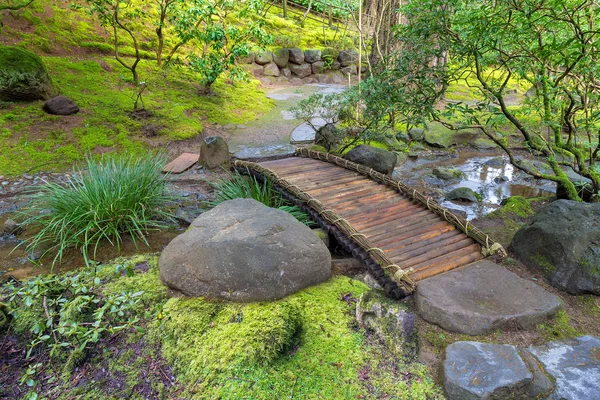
(306, 345)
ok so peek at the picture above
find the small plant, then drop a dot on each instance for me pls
(241, 187)
(117, 196)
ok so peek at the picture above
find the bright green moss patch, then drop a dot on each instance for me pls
(544, 264)
(558, 328)
(516, 206)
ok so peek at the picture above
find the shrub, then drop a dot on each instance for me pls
(241, 187)
(119, 195)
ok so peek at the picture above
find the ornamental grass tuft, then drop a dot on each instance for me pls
(238, 186)
(117, 196)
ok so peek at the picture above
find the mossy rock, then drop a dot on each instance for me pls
(23, 76)
(516, 207)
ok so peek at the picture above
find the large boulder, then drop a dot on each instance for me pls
(281, 57)
(296, 56)
(474, 371)
(563, 241)
(244, 251)
(214, 152)
(301, 71)
(263, 57)
(23, 76)
(61, 105)
(483, 297)
(463, 194)
(271, 69)
(380, 160)
(318, 67)
(312, 56)
(348, 57)
(574, 365)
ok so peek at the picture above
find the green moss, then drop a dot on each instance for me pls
(544, 264)
(23, 76)
(558, 328)
(515, 207)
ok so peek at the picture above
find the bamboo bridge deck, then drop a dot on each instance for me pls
(403, 229)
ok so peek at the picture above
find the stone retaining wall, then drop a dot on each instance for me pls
(297, 66)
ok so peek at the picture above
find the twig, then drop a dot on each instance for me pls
(49, 318)
(294, 388)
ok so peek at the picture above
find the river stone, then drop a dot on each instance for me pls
(286, 73)
(447, 174)
(214, 152)
(61, 105)
(257, 70)
(23, 76)
(12, 227)
(263, 57)
(462, 193)
(474, 371)
(296, 56)
(318, 67)
(281, 57)
(417, 134)
(563, 241)
(348, 57)
(575, 366)
(301, 71)
(542, 384)
(482, 297)
(271, 69)
(390, 321)
(270, 152)
(380, 160)
(244, 251)
(312, 56)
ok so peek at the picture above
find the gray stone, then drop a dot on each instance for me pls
(474, 371)
(263, 57)
(281, 57)
(318, 67)
(265, 152)
(286, 72)
(462, 193)
(328, 135)
(483, 144)
(214, 152)
(542, 385)
(390, 321)
(323, 235)
(563, 241)
(271, 69)
(23, 76)
(417, 134)
(60, 105)
(335, 66)
(312, 56)
(337, 78)
(296, 56)
(305, 133)
(446, 174)
(482, 297)
(301, 71)
(244, 251)
(348, 57)
(247, 60)
(575, 366)
(349, 70)
(380, 160)
(257, 70)
(187, 215)
(370, 282)
(12, 227)
(496, 162)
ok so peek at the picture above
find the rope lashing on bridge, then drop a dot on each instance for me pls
(488, 246)
(396, 273)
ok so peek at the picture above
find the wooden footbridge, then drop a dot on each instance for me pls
(399, 234)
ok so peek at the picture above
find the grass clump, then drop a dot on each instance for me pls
(238, 186)
(119, 195)
(516, 207)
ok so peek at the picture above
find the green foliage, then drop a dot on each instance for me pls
(120, 195)
(22, 73)
(516, 206)
(558, 328)
(238, 186)
(220, 39)
(497, 49)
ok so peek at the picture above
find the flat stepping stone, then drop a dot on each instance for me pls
(265, 152)
(474, 370)
(182, 163)
(483, 297)
(575, 366)
(305, 133)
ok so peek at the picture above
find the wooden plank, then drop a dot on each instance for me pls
(385, 238)
(303, 167)
(359, 194)
(313, 174)
(432, 254)
(448, 258)
(343, 187)
(394, 220)
(182, 163)
(441, 268)
(318, 184)
(366, 198)
(424, 233)
(398, 253)
(388, 206)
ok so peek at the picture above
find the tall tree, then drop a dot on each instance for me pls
(552, 45)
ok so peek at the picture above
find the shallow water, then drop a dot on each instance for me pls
(489, 175)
